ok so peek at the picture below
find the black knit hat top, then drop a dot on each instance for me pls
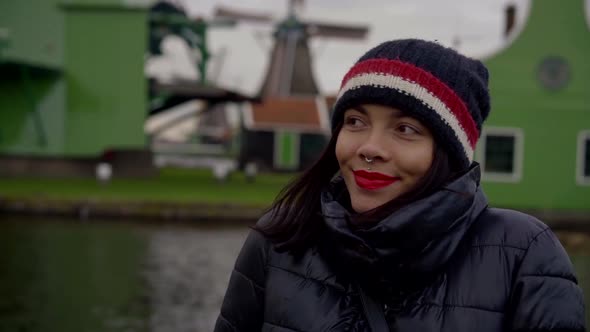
(443, 89)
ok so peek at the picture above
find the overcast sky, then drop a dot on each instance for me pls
(242, 51)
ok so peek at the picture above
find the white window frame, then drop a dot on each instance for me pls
(517, 161)
(580, 178)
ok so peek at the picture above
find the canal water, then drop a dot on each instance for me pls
(67, 276)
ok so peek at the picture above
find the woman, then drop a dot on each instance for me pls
(390, 230)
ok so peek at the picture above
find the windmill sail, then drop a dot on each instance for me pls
(289, 71)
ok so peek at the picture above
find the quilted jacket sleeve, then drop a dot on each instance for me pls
(243, 304)
(546, 296)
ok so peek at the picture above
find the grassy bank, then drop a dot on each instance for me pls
(172, 185)
(174, 194)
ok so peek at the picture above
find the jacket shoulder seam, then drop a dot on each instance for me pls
(248, 278)
(530, 244)
(537, 235)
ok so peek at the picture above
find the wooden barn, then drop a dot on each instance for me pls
(286, 133)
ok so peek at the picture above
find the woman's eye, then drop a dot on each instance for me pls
(353, 122)
(406, 129)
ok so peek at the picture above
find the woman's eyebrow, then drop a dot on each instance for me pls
(360, 109)
(399, 115)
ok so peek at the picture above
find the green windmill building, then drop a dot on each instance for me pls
(535, 151)
(71, 79)
(73, 89)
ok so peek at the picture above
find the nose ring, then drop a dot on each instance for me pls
(368, 160)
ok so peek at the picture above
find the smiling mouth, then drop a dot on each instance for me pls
(373, 180)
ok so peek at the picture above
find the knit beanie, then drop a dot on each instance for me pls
(446, 91)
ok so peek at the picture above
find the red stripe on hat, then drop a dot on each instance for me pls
(409, 72)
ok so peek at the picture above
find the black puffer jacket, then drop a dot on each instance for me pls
(445, 263)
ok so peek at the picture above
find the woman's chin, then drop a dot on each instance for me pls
(362, 207)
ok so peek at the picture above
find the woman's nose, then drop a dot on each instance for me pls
(373, 147)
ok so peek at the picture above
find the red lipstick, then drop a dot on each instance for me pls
(373, 180)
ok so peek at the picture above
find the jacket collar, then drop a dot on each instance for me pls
(419, 237)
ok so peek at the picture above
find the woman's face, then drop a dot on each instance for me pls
(400, 147)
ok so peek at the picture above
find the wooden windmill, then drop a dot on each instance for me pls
(290, 127)
(289, 71)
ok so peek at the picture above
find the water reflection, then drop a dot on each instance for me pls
(106, 276)
(66, 277)
(115, 276)
(187, 272)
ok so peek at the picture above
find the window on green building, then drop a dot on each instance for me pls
(500, 154)
(583, 173)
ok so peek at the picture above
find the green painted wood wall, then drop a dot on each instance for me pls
(86, 90)
(107, 91)
(550, 119)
